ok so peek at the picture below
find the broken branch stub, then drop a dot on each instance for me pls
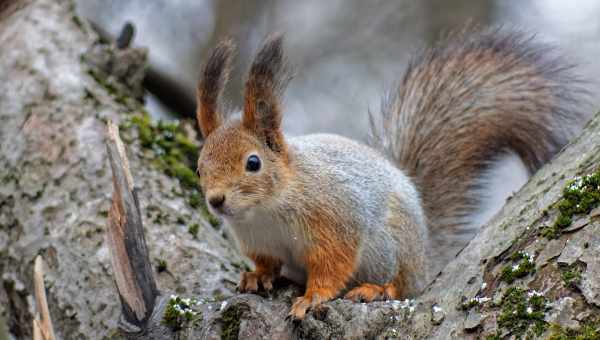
(42, 323)
(125, 237)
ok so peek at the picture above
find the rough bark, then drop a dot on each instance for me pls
(58, 87)
(56, 182)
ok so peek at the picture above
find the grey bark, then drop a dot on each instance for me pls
(56, 189)
(56, 181)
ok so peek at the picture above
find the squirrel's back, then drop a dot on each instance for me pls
(465, 103)
(363, 186)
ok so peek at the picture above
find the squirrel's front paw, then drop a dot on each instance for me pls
(310, 300)
(251, 280)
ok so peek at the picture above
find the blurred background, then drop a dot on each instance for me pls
(346, 53)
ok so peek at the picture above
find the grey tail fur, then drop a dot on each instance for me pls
(461, 105)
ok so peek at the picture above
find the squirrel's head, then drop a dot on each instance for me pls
(243, 163)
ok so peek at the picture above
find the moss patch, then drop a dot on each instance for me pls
(522, 264)
(175, 154)
(161, 265)
(580, 196)
(589, 331)
(473, 302)
(231, 320)
(523, 312)
(571, 275)
(193, 229)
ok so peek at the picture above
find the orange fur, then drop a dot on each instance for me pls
(267, 270)
(371, 292)
(221, 166)
(330, 263)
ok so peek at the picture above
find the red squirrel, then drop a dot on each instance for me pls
(375, 222)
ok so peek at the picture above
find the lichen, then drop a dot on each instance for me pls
(580, 196)
(181, 313)
(523, 312)
(521, 265)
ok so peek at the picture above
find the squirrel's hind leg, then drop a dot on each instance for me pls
(329, 265)
(368, 292)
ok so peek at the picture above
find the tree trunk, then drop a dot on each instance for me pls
(58, 87)
(56, 182)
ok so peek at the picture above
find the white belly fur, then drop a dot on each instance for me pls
(264, 234)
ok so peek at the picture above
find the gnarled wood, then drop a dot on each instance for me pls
(129, 254)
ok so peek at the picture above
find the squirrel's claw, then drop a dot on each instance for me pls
(251, 281)
(310, 300)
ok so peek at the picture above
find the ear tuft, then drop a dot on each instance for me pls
(268, 77)
(213, 78)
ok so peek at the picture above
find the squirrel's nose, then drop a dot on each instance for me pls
(216, 201)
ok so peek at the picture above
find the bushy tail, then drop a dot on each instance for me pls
(464, 103)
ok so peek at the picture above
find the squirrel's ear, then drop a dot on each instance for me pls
(213, 78)
(268, 77)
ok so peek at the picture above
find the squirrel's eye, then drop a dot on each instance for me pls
(253, 163)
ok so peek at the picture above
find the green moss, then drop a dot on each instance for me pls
(181, 313)
(186, 176)
(231, 320)
(160, 217)
(193, 229)
(521, 265)
(522, 312)
(589, 331)
(210, 217)
(469, 304)
(571, 274)
(551, 232)
(474, 302)
(580, 196)
(241, 266)
(195, 199)
(219, 297)
(175, 154)
(103, 81)
(161, 265)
